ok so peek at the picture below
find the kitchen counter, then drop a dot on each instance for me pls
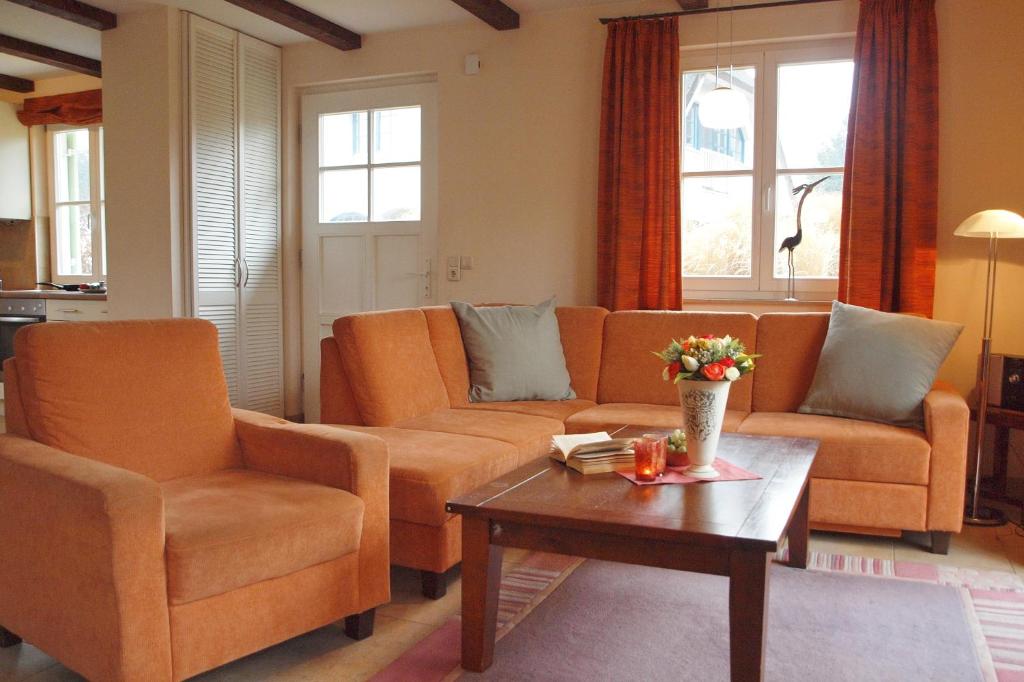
(52, 293)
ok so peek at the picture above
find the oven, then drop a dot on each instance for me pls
(16, 313)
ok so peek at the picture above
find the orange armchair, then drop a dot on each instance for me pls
(149, 531)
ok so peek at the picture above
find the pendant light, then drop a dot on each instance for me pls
(724, 107)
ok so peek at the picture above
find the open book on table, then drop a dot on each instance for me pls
(592, 452)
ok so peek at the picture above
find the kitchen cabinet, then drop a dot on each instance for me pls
(61, 310)
(15, 188)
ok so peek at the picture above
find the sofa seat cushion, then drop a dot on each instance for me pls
(531, 435)
(552, 409)
(235, 528)
(852, 450)
(428, 468)
(611, 416)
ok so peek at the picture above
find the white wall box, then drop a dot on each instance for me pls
(233, 120)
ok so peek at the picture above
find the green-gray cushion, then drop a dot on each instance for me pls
(514, 352)
(878, 366)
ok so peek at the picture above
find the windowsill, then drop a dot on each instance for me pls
(756, 305)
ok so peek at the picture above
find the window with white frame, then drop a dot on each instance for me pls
(370, 166)
(740, 187)
(77, 212)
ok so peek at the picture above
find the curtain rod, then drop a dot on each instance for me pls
(711, 10)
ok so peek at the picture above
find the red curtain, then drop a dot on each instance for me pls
(887, 245)
(75, 108)
(638, 213)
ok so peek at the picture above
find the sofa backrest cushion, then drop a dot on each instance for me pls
(337, 402)
(582, 332)
(147, 396)
(631, 373)
(390, 365)
(580, 327)
(789, 344)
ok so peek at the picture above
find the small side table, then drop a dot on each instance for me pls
(999, 487)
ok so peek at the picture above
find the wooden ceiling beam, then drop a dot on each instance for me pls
(50, 55)
(494, 12)
(303, 21)
(73, 10)
(15, 84)
(686, 5)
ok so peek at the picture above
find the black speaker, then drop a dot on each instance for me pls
(1006, 381)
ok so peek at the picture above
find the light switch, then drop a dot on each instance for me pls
(466, 262)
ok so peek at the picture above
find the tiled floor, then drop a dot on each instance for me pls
(328, 655)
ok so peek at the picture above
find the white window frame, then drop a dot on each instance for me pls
(96, 204)
(765, 60)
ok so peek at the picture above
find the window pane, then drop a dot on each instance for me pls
(343, 139)
(814, 108)
(71, 165)
(74, 240)
(396, 193)
(717, 226)
(103, 235)
(396, 135)
(817, 255)
(705, 148)
(343, 196)
(103, 187)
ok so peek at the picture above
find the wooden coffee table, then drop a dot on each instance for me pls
(730, 528)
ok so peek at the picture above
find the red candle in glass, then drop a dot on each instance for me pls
(650, 453)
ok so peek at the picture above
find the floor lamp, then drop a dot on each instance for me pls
(992, 225)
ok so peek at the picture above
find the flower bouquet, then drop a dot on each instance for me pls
(703, 368)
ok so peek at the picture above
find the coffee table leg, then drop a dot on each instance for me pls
(799, 530)
(748, 602)
(481, 576)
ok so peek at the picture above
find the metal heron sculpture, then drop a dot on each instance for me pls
(790, 243)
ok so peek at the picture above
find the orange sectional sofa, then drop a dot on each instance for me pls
(402, 375)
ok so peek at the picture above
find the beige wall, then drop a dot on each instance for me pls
(142, 145)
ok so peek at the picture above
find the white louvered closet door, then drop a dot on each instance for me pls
(213, 134)
(260, 234)
(234, 95)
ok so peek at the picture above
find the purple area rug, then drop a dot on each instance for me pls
(612, 621)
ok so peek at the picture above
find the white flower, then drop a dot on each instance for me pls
(690, 364)
(732, 374)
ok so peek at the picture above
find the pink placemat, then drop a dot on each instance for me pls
(727, 472)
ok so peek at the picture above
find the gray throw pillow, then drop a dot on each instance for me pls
(878, 366)
(514, 352)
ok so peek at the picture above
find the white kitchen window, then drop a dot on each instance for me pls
(737, 185)
(77, 215)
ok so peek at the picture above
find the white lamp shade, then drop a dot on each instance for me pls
(723, 107)
(992, 223)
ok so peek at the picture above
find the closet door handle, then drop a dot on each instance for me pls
(238, 272)
(245, 269)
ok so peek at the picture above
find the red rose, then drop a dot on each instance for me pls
(674, 369)
(728, 362)
(714, 372)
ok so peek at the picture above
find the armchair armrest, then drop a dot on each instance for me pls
(947, 421)
(331, 456)
(82, 572)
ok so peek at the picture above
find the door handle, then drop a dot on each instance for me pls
(238, 272)
(245, 268)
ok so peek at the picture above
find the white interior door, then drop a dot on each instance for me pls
(369, 209)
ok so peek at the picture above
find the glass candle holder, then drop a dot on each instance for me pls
(649, 454)
(659, 444)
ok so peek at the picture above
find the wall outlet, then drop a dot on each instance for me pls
(454, 269)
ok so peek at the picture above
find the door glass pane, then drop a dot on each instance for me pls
(817, 254)
(343, 196)
(396, 193)
(74, 240)
(396, 135)
(717, 229)
(71, 165)
(343, 139)
(710, 149)
(814, 108)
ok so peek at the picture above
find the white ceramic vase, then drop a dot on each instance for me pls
(703, 404)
